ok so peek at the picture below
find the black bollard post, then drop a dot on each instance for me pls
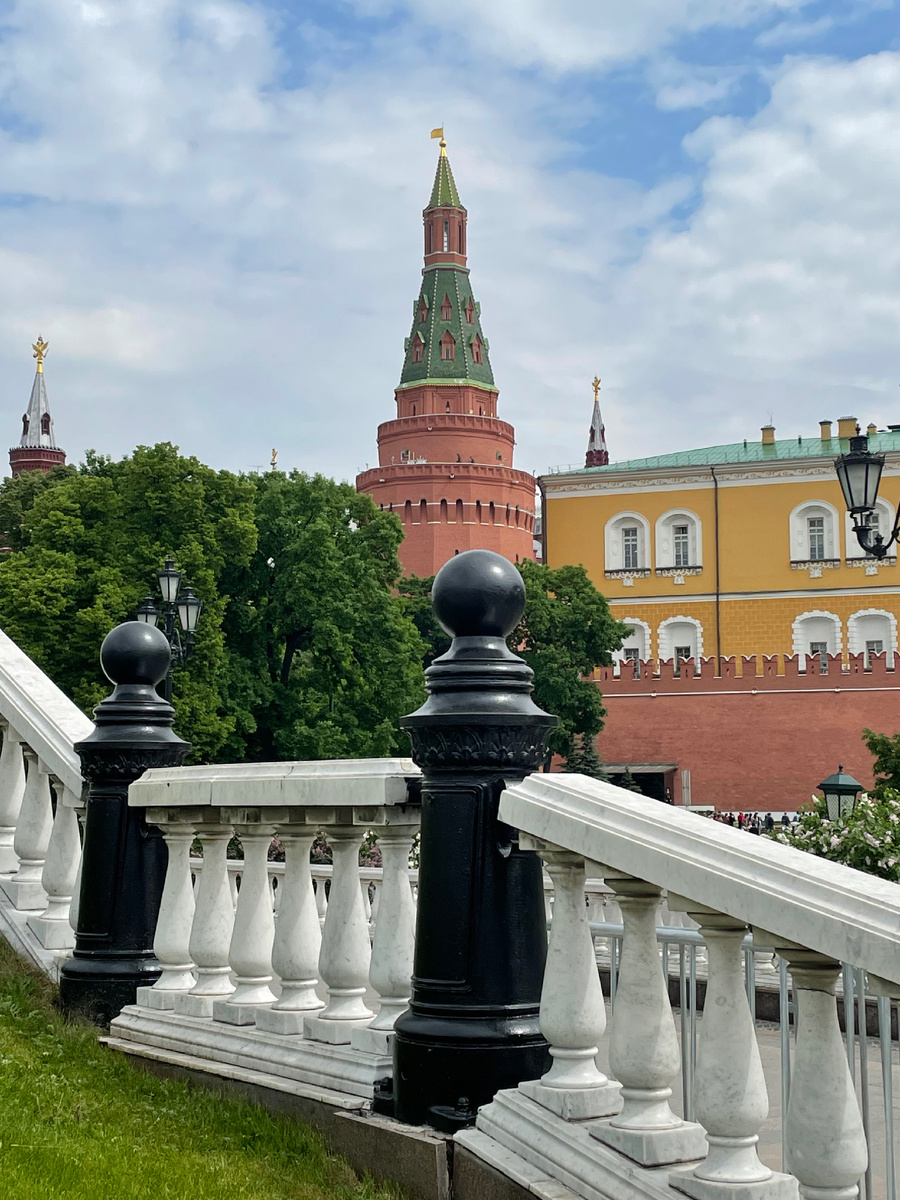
(124, 859)
(472, 1026)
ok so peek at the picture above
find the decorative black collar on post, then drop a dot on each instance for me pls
(472, 1026)
(123, 860)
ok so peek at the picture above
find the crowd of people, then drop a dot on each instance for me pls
(752, 822)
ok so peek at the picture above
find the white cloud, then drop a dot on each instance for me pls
(565, 35)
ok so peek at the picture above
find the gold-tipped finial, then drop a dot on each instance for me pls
(596, 386)
(274, 461)
(40, 348)
(439, 133)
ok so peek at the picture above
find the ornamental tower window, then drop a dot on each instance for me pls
(423, 310)
(469, 310)
(418, 349)
(477, 346)
(448, 346)
(446, 309)
(446, 235)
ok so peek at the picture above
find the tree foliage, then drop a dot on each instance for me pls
(885, 749)
(302, 650)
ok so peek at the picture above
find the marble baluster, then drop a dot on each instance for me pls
(321, 899)
(298, 937)
(171, 943)
(573, 1016)
(390, 971)
(644, 1054)
(58, 877)
(212, 926)
(76, 886)
(824, 1136)
(730, 1097)
(33, 831)
(12, 789)
(250, 953)
(346, 949)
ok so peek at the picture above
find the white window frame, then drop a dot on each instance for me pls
(857, 634)
(799, 531)
(613, 547)
(665, 538)
(668, 640)
(801, 638)
(885, 526)
(640, 632)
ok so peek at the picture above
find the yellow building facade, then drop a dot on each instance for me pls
(736, 550)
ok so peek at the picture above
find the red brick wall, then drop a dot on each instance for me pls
(751, 743)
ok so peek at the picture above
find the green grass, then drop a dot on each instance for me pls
(77, 1122)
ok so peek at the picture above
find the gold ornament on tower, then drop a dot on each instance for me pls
(40, 348)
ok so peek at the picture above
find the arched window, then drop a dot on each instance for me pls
(448, 346)
(446, 235)
(418, 348)
(428, 238)
(636, 647)
(492, 513)
(423, 310)
(423, 512)
(45, 424)
(679, 541)
(680, 638)
(413, 410)
(478, 511)
(627, 544)
(447, 409)
(816, 633)
(407, 512)
(460, 512)
(444, 513)
(477, 345)
(814, 532)
(459, 241)
(880, 521)
(469, 310)
(873, 631)
(446, 309)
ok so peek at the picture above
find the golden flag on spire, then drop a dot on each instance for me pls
(439, 132)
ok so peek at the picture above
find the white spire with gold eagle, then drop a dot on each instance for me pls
(597, 453)
(37, 424)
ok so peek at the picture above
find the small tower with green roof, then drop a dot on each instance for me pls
(445, 461)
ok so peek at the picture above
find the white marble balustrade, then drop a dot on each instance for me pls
(816, 914)
(263, 971)
(40, 796)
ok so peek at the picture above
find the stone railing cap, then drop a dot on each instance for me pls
(838, 911)
(342, 782)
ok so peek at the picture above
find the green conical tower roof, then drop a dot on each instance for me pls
(446, 343)
(444, 193)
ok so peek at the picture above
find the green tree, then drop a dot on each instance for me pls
(302, 651)
(566, 632)
(324, 659)
(885, 749)
(629, 782)
(85, 547)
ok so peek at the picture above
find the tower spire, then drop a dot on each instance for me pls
(597, 453)
(37, 449)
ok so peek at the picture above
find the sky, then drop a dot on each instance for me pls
(211, 209)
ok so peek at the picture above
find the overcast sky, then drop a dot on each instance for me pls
(211, 209)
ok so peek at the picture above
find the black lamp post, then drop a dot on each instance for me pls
(176, 600)
(859, 473)
(841, 793)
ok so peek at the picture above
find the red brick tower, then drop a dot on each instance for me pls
(445, 462)
(37, 449)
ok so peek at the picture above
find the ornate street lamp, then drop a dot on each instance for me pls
(859, 474)
(176, 601)
(841, 793)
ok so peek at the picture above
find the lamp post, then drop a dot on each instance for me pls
(841, 793)
(859, 474)
(176, 601)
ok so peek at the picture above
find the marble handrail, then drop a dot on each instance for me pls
(816, 914)
(259, 969)
(40, 792)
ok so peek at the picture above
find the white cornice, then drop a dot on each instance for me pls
(787, 594)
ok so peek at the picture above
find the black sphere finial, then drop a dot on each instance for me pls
(135, 653)
(478, 594)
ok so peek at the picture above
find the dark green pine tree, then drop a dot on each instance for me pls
(629, 782)
(590, 759)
